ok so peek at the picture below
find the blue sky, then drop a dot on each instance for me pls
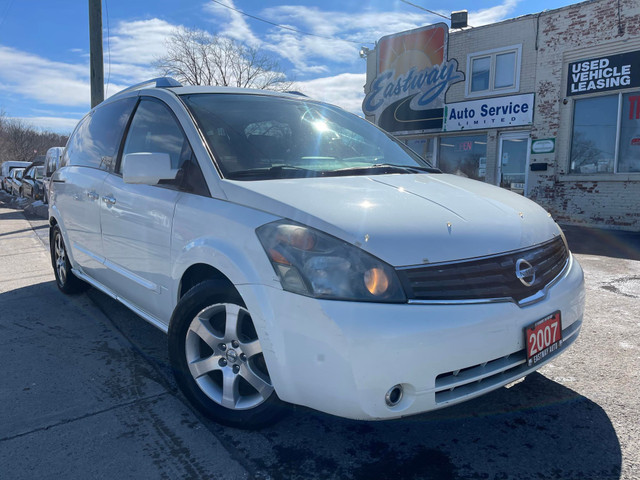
(44, 44)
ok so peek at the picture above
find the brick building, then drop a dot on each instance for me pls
(547, 105)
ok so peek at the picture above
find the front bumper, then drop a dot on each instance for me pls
(343, 357)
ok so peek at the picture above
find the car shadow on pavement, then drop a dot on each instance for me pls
(535, 429)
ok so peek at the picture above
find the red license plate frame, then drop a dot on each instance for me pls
(543, 338)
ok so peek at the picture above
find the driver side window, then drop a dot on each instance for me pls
(154, 129)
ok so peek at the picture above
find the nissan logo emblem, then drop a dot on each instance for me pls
(525, 272)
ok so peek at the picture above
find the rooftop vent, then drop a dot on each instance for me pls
(459, 19)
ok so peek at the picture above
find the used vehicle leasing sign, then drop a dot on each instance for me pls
(604, 73)
(489, 113)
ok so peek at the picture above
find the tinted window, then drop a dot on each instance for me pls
(593, 143)
(465, 156)
(96, 139)
(154, 129)
(254, 136)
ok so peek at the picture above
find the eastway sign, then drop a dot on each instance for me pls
(512, 111)
(604, 73)
(413, 75)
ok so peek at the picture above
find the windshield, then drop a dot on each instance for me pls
(256, 137)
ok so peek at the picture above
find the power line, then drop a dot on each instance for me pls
(426, 10)
(290, 28)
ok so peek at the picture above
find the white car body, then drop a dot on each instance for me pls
(340, 357)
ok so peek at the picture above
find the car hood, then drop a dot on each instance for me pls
(405, 219)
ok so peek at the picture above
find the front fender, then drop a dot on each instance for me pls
(222, 235)
(234, 262)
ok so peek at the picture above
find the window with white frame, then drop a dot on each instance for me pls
(494, 71)
(606, 134)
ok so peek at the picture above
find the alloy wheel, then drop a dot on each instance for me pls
(60, 258)
(225, 358)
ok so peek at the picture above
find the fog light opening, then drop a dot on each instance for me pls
(393, 396)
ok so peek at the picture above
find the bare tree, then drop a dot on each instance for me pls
(195, 57)
(20, 141)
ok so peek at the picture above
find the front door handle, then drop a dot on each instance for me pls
(109, 200)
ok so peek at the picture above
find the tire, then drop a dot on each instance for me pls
(217, 359)
(67, 282)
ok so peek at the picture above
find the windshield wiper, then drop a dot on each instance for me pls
(418, 168)
(275, 172)
(380, 169)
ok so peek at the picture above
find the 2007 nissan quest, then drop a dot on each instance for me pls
(296, 253)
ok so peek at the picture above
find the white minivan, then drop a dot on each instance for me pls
(295, 253)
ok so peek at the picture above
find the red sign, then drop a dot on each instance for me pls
(634, 106)
(543, 338)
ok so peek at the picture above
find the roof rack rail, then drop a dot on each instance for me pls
(160, 82)
(295, 92)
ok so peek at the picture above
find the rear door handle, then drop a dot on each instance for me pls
(93, 195)
(109, 200)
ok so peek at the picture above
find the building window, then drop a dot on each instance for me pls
(606, 134)
(629, 152)
(494, 71)
(465, 156)
(423, 147)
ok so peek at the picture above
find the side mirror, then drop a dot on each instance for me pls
(147, 168)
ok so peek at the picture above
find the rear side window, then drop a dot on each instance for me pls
(96, 139)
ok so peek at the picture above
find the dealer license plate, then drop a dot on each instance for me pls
(543, 338)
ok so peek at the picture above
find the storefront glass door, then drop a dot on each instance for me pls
(514, 161)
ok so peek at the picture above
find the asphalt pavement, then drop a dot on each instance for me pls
(86, 392)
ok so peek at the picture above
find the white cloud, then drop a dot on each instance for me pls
(133, 47)
(345, 90)
(47, 81)
(309, 53)
(60, 125)
(235, 25)
(493, 14)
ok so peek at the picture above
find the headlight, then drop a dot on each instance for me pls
(313, 263)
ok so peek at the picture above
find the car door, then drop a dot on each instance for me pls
(90, 155)
(137, 219)
(27, 180)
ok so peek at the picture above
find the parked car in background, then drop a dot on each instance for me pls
(51, 164)
(294, 252)
(6, 171)
(15, 181)
(32, 186)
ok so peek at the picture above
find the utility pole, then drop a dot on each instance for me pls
(95, 46)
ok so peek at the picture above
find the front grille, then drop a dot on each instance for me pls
(453, 387)
(486, 278)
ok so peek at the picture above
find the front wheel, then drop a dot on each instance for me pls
(217, 358)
